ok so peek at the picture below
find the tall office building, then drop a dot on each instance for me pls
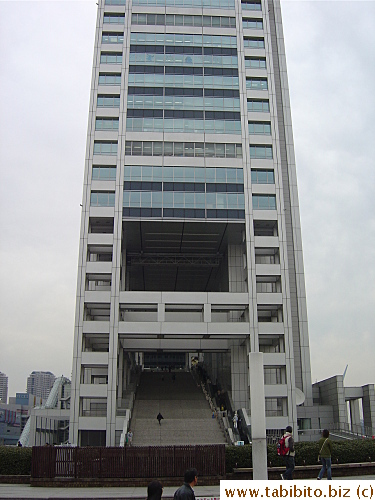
(190, 240)
(3, 387)
(39, 384)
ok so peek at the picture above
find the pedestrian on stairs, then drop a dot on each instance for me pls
(129, 437)
(186, 492)
(160, 417)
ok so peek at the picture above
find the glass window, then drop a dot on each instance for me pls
(198, 149)
(209, 149)
(102, 199)
(262, 176)
(109, 79)
(261, 152)
(230, 150)
(136, 148)
(262, 128)
(108, 101)
(251, 5)
(264, 202)
(258, 105)
(103, 173)
(110, 58)
(252, 23)
(106, 148)
(254, 43)
(106, 124)
(114, 18)
(257, 83)
(147, 148)
(255, 62)
(157, 149)
(112, 37)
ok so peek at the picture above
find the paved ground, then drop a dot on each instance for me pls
(14, 491)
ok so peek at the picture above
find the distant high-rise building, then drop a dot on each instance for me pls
(40, 384)
(3, 387)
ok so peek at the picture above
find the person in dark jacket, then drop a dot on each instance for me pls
(154, 490)
(160, 417)
(186, 492)
(325, 452)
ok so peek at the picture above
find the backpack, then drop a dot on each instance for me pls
(282, 450)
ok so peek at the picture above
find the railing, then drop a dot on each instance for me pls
(353, 430)
(130, 462)
(223, 422)
(344, 431)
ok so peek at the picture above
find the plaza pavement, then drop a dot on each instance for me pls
(25, 491)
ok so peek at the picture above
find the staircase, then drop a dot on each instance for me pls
(187, 415)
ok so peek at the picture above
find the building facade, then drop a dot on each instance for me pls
(13, 417)
(190, 241)
(39, 384)
(3, 388)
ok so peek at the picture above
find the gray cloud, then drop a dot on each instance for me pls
(331, 67)
(46, 58)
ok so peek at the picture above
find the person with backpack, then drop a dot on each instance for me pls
(285, 449)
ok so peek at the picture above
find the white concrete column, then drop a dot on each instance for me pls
(207, 313)
(32, 440)
(355, 418)
(161, 313)
(239, 375)
(120, 377)
(258, 416)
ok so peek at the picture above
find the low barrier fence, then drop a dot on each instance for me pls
(49, 462)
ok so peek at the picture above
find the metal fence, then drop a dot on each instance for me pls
(129, 462)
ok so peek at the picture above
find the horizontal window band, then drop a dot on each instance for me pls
(197, 187)
(141, 212)
(224, 188)
(191, 187)
(182, 70)
(183, 114)
(184, 92)
(184, 213)
(142, 186)
(191, 50)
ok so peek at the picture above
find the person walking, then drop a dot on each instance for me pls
(130, 437)
(160, 417)
(154, 490)
(186, 492)
(289, 456)
(235, 420)
(325, 453)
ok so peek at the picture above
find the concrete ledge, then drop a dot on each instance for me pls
(14, 479)
(309, 471)
(301, 472)
(116, 482)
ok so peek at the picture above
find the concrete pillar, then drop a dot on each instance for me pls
(258, 416)
(368, 405)
(355, 418)
(239, 375)
(161, 313)
(32, 435)
(120, 377)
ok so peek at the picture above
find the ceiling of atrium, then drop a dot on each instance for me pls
(178, 256)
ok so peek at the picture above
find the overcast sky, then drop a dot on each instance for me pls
(46, 50)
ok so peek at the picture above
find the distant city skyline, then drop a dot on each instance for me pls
(46, 81)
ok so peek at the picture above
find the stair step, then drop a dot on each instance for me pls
(187, 415)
